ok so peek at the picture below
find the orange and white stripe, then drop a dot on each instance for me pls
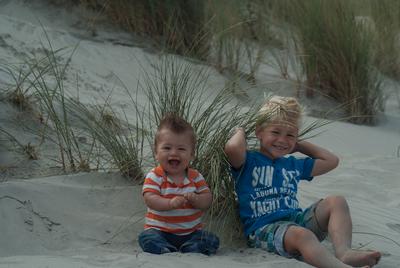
(179, 221)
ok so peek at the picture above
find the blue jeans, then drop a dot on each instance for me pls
(159, 242)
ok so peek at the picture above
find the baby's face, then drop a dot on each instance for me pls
(277, 139)
(174, 152)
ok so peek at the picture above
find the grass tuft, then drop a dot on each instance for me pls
(28, 149)
(339, 57)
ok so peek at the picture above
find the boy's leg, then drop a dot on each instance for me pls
(333, 215)
(201, 242)
(154, 241)
(291, 240)
(299, 240)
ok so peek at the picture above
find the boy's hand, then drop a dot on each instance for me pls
(324, 159)
(177, 202)
(295, 148)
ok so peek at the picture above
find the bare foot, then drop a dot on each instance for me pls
(358, 258)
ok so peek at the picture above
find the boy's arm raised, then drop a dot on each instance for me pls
(324, 160)
(235, 148)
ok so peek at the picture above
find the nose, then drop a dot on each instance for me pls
(173, 151)
(282, 139)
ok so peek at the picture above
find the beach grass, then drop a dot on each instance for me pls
(177, 26)
(117, 142)
(332, 53)
(50, 92)
(384, 21)
(28, 149)
(338, 56)
(19, 93)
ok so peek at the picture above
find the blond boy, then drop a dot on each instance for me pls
(266, 185)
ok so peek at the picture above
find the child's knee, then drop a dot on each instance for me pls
(297, 235)
(213, 244)
(210, 240)
(213, 240)
(151, 241)
(337, 201)
(203, 242)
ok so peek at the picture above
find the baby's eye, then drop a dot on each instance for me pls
(275, 132)
(182, 149)
(166, 147)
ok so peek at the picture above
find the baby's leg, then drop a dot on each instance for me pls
(333, 214)
(201, 242)
(153, 241)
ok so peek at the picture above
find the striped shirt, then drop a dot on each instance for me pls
(180, 221)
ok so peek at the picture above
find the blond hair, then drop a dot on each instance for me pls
(285, 110)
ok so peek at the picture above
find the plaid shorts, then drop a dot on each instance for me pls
(270, 237)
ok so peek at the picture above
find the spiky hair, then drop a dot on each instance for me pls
(176, 124)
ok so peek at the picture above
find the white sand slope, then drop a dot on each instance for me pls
(93, 219)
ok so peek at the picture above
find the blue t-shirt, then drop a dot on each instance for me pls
(267, 189)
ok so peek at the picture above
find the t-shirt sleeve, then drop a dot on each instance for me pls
(308, 165)
(152, 183)
(201, 184)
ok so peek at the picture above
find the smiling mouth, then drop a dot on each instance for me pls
(174, 162)
(280, 148)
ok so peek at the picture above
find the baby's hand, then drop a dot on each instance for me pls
(191, 197)
(177, 201)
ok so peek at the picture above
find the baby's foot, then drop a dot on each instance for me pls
(361, 258)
